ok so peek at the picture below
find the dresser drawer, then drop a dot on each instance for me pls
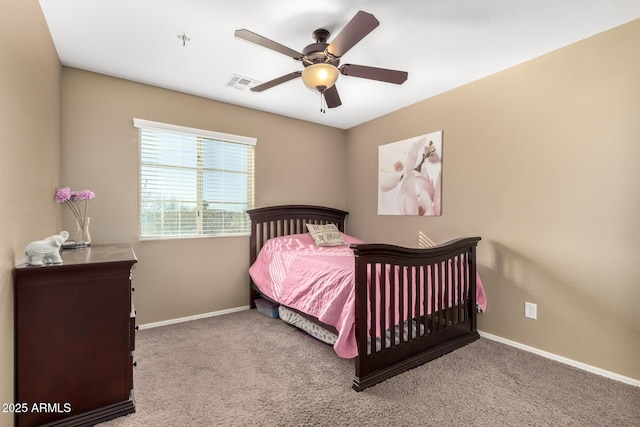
(129, 374)
(132, 329)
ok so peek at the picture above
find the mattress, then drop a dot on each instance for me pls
(300, 322)
(318, 332)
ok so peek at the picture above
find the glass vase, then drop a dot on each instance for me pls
(82, 233)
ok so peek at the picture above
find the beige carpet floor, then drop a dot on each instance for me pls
(244, 369)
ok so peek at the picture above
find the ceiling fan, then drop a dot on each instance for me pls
(321, 59)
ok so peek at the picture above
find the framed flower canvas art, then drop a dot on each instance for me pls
(410, 176)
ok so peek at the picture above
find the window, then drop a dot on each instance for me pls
(194, 182)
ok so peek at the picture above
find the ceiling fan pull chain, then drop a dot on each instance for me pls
(323, 110)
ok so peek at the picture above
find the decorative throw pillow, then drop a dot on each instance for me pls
(325, 234)
(316, 229)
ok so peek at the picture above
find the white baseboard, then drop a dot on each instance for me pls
(564, 360)
(194, 317)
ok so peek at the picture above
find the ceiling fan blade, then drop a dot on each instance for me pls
(269, 44)
(332, 98)
(276, 82)
(374, 73)
(359, 26)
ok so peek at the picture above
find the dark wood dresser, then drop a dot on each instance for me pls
(74, 338)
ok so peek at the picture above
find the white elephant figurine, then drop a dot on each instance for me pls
(46, 250)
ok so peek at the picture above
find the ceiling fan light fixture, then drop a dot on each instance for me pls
(320, 76)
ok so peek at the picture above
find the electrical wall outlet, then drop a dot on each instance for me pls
(530, 310)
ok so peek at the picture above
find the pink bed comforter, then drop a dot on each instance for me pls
(316, 280)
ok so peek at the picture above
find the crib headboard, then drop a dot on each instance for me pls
(275, 221)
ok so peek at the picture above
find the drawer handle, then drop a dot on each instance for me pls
(133, 289)
(137, 328)
(135, 364)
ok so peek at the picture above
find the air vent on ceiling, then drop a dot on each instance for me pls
(241, 83)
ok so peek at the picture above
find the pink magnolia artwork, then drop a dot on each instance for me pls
(410, 176)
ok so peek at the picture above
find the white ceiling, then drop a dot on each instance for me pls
(442, 44)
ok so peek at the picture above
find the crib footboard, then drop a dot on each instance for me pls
(412, 306)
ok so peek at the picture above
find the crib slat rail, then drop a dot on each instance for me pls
(412, 305)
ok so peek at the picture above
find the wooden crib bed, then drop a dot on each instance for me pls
(429, 294)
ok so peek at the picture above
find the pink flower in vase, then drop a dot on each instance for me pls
(73, 199)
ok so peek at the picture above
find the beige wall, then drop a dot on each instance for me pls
(30, 160)
(540, 160)
(177, 278)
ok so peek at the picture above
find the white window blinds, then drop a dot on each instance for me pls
(194, 182)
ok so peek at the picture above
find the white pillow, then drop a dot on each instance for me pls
(325, 234)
